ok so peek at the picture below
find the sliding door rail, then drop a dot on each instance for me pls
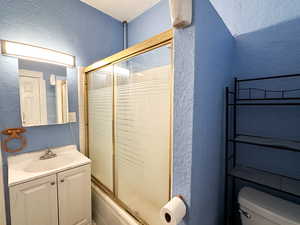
(145, 46)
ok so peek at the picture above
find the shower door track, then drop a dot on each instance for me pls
(162, 39)
(157, 41)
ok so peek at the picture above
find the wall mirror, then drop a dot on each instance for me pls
(43, 89)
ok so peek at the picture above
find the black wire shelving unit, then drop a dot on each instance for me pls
(255, 97)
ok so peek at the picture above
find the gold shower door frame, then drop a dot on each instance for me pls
(162, 39)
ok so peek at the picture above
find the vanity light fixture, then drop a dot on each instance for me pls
(35, 53)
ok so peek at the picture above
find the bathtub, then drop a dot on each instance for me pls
(106, 212)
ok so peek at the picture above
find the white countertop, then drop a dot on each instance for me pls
(28, 166)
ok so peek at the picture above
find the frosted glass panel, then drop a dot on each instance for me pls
(142, 126)
(130, 123)
(100, 114)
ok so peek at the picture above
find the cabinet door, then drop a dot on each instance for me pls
(34, 202)
(74, 194)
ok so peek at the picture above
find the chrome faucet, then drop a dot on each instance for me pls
(48, 154)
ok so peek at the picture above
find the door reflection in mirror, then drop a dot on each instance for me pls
(43, 93)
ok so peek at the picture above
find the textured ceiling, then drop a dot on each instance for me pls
(245, 16)
(123, 10)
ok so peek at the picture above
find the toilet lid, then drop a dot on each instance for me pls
(275, 209)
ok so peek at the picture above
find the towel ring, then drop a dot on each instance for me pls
(14, 133)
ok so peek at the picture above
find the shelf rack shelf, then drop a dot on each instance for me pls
(267, 103)
(268, 99)
(278, 143)
(256, 97)
(276, 182)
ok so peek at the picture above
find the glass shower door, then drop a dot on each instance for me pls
(143, 93)
(100, 114)
(130, 130)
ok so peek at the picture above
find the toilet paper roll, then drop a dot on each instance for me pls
(173, 212)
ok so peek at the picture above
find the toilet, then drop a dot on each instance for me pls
(259, 208)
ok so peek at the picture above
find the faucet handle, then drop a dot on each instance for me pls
(48, 154)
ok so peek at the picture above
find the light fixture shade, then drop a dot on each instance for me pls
(35, 53)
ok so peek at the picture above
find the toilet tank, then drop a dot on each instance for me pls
(259, 208)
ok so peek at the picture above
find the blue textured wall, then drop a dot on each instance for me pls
(267, 35)
(152, 22)
(246, 16)
(69, 26)
(268, 51)
(214, 70)
(184, 76)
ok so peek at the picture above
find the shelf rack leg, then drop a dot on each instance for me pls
(226, 157)
(233, 199)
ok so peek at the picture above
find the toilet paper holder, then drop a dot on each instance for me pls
(167, 215)
(174, 211)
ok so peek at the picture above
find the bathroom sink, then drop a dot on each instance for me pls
(48, 164)
(29, 166)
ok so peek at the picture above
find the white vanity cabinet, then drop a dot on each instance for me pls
(63, 198)
(34, 202)
(74, 196)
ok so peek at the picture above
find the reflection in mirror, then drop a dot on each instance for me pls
(43, 93)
